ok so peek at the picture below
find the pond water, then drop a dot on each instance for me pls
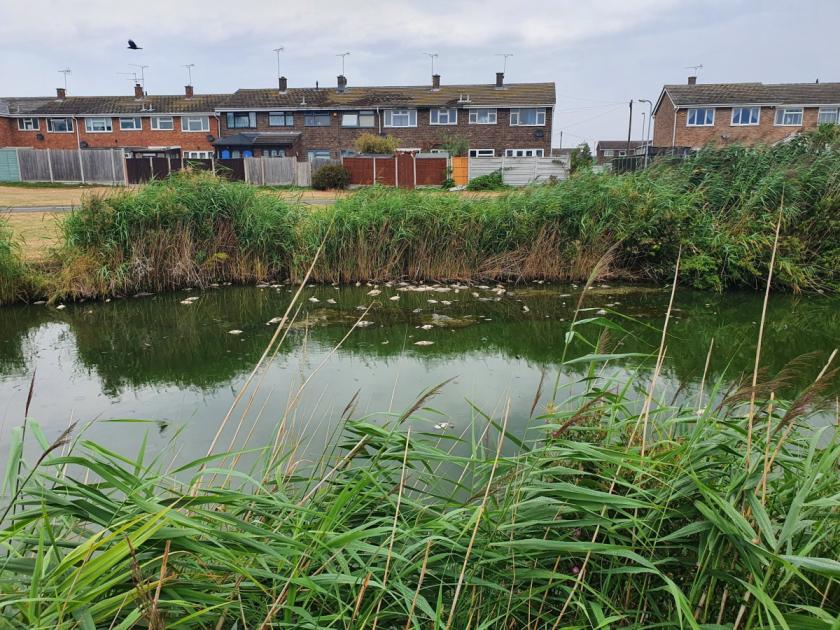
(178, 365)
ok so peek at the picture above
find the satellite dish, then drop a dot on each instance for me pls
(83, 144)
(40, 137)
(210, 137)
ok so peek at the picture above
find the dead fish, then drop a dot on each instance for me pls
(432, 301)
(525, 309)
(426, 326)
(60, 307)
(374, 292)
(423, 343)
(274, 320)
(417, 310)
(445, 302)
(314, 299)
(331, 301)
(364, 323)
(475, 294)
(443, 426)
(44, 302)
(234, 332)
(600, 311)
(394, 298)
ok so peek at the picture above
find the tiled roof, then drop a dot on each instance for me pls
(394, 96)
(92, 105)
(258, 138)
(754, 94)
(14, 105)
(617, 144)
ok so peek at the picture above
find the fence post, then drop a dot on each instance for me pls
(113, 168)
(49, 164)
(213, 165)
(151, 168)
(396, 170)
(535, 168)
(125, 168)
(414, 163)
(262, 170)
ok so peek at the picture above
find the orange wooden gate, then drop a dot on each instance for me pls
(461, 170)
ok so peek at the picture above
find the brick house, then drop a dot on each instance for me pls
(166, 126)
(607, 150)
(497, 119)
(693, 115)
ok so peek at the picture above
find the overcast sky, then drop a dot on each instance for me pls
(600, 53)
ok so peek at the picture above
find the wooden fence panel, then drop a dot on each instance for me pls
(279, 171)
(98, 166)
(304, 174)
(34, 165)
(233, 169)
(138, 170)
(386, 173)
(460, 170)
(431, 171)
(64, 165)
(360, 169)
(519, 171)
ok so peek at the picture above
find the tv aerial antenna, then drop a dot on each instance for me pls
(432, 56)
(505, 55)
(343, 56)
(65, 71)
(189, 67)
(695, 69)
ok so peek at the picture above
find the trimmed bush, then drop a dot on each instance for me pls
(372, 143)
(331, 177)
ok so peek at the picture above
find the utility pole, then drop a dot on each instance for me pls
(561, 138)
(629, 128)
(646, 136)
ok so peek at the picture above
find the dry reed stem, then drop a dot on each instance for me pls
(700, 407)
(478, 518)
(419, 583)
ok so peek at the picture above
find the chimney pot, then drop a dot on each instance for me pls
(342, 83)
(188, 91)
(692, 80)
(282, 84)
(500, 79)
(138, 90)
(60, 93)
(435, 81)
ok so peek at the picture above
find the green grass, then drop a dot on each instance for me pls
(17, 280)
(605, 516)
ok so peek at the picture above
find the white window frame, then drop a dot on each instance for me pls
(288, 118)
(156, 120)
(410, 114)
(66, 119)
(34, 124)
(516, 113)
(198, 155)
(311, 154)
(232, 120)
(107, 123)
(314, 117)
(133, 120)
(784, 112)
(534, 152)
(365, 119)
(477, 153)
(609, 152)
(450, 114)
(688, 122)
(834, 110)
(492, 116)
(187, 120)
(746, 124)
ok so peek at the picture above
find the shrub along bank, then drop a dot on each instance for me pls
(720, 207)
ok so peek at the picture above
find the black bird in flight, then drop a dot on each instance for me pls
(133, 46)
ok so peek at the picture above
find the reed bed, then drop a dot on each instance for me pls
(17, 280)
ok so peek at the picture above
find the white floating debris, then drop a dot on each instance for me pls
(443, 426)
(432, 301)
(475, 294)
(600, 311)
(60, 306)
(445, 302)
(394, 298)
(423, 343)
(235, 332)
(314, 299)
(374, 292)
(364, 323)
(525, 309)
(187, 302)
(417, 310)
(426, 326)
(44, 302)
(273, 320)
(331, 301)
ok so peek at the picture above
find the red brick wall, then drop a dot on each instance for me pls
(188, 141)
(723, 133)
(6, 132)
(500, 136)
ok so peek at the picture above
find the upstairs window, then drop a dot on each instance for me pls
(523, 152)
(745, 116)
(527, 117)
(400, 117)
(318, 154)
(163, 123)
(317, 119)
(195, 123)
(241, 120)
(482, 153)
(701, 117)
(28, 124)
(358, 119)
(443, 116)
(281, 119)
(98, 125)
(60, 125)
(827, 116)
(483, 116)
(789, 117)
(131, 124)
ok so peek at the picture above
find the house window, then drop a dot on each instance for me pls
(790, 117)
(98, 125)
(482, 152)
(358, 119)
(400, 117)
(443, 116)
(28, 124)
(609, 152)
(131, 124)
(745, 116)
(195, 123)
(527, 117)
(483, 116)
(317, 119)
(163, 123)
(274, 153)
(198, 155)
(701, 117)
(241, 120)
(523, 152)
(319, 154)
(60, 125)
(827, 116)
(281, 119)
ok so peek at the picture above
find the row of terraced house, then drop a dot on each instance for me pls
(497, 119)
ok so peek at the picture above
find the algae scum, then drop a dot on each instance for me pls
(179, 359)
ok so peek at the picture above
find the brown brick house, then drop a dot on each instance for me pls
(607, 150)
(695, 114)
(183, 125)
(497, 119)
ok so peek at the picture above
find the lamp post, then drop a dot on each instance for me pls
(649, 125)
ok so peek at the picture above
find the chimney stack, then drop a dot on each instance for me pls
(188, 91)
(60, 93)
(342, 83)
(138, 90)
(500, 79)
(692, 80)
(435, 81)
(282, 84)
